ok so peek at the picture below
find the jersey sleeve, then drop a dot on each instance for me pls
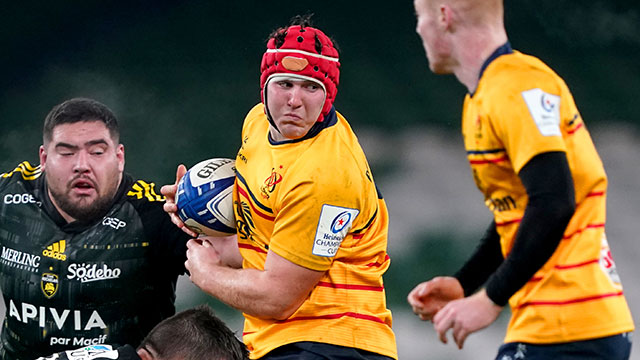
(317, 215)
(167, 240)
(525, 112)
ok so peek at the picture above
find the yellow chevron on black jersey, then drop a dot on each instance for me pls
(25, 169)
(142, 189)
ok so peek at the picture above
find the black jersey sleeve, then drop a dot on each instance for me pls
(483, 262)
(167, 241)
(549, 185)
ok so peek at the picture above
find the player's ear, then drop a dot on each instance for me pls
(42, 154)
(445, 16)
(120, 156)
(144, 354)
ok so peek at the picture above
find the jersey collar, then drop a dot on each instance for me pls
(502, 50)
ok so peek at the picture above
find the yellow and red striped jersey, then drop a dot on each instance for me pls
(314, 202)
(520, 109)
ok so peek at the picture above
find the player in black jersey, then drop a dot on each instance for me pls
(192, 334)
(88, 256)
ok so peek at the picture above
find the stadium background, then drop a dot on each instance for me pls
(181, 76)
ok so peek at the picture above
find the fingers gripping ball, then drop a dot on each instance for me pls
(205, 199)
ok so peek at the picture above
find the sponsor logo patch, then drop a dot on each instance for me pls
(91, 272)
(545, 111)
(56, 250)
(607, 264)
(64, 319)
(113, 222)
(82, 341)
(93, 352)
(25, 198)
(334, 224)
(49, 284)
(20, 260)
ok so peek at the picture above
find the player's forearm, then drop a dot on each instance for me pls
(250, 291)
(482, 263)
(227, 248)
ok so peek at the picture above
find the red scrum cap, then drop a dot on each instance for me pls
(304, 52)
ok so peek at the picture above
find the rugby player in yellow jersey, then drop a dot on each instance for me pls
(311, 225)
(531, 156)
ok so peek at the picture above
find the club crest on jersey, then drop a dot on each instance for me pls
(334, 224)
(270, 183)
(49, 284)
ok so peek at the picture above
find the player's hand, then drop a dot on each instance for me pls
(465, 316)
(202, 257)
(170, 207)
(429, 297)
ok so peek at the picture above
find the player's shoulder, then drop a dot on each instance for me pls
(257, 109)
(518, 71)
(142, 192)
(24, 172)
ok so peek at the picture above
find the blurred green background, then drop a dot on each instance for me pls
(181, 75)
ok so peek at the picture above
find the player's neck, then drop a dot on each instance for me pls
(474, 50)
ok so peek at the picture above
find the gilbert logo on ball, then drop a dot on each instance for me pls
(205, 199)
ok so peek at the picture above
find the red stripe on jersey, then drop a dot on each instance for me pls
(255, 210)
(590, 226)
(377, 264)
(566, 267)
(358, 236)
(350, 287)
(489, 161)
(334, 316)
(571, 301)
(251, 247)
(595, 193)
(570, 132)
(573, 266)
(509, 222)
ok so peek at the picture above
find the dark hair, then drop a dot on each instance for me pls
(304, 21)
(195, 334)
(78, 110)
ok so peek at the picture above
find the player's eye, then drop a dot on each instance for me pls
(97, 150)
(285, 84)
(312, 87)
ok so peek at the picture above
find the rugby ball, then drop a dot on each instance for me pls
(205, 197)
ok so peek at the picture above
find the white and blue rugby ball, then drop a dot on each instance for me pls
(205, 197)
